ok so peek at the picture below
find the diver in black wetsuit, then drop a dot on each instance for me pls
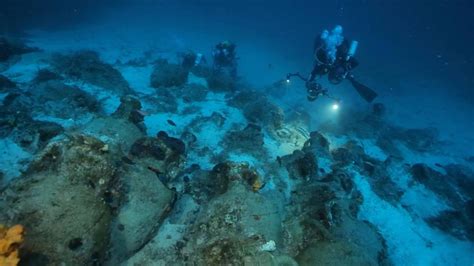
(333, 56)
(225, 58)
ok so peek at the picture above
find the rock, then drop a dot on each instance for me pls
(191, 93)
(248, 140)
(149, 147)
(420, 139)
(45, 75)
(163, 155)
(317, 144)
(323, 217)
(10, 48)
(130, 109)
(164, 101)
(456, 187)
(221, 82)
(119, 134)
(57, 99)
(301, 165)
(205, 185)
(87, 66)
(338, 252)
(48, 130)
(458, 223)
(61, 203)
(6, 84)
(26, 132)
(258, 109)
(168, 75)
(148, 202)
(443, 185)
(233, 226)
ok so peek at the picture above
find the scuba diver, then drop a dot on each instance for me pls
(225, 58)
(334, 57)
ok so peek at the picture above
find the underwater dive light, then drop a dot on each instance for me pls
(335, 106)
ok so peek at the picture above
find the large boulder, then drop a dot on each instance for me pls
(62, 201)
(248, 140)
(10, 48)
(147, 203)
(233, 227)
(6, 84)
(162, 154)
(257, 108)
(456, 187)
(56, 99)
(168, 75)
(87, 66)
(118, 133)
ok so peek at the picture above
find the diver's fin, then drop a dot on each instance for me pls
(365, 92)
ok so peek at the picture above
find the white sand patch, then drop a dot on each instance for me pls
(13, 160)
(193, 79)
(371, 149)
(410, 241)
(66, 123)
(138, 78)
(336, 141)
(26, 68)
(423, 202)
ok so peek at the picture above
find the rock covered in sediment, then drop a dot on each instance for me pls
(323, 211)
(10, 48)
(167, 74)
(147, 202)
(232, 228)
(205, 185)
(221, 82)
(59, 100)
(248, 140)
(456, 187)
(192, 92)
(62, 201)
(257, 108)
(118, 133)
(45, 75)
(301, 165)
(130, 109)
(87, 66)
(162, 154)
(28, 133)
(6, 84)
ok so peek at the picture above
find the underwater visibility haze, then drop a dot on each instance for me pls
(236, 132)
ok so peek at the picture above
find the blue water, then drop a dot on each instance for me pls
(416, 55)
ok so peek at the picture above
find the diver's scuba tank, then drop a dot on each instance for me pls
(352, 50)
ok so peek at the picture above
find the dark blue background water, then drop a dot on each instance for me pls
(414, 53)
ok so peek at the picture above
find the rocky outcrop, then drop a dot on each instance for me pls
(258, 109)
(10, 48)
(248, 140)
(87, 66)
(6, 85)
(168, 75)
(62, 202)
(456, 187)
(147, 203)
